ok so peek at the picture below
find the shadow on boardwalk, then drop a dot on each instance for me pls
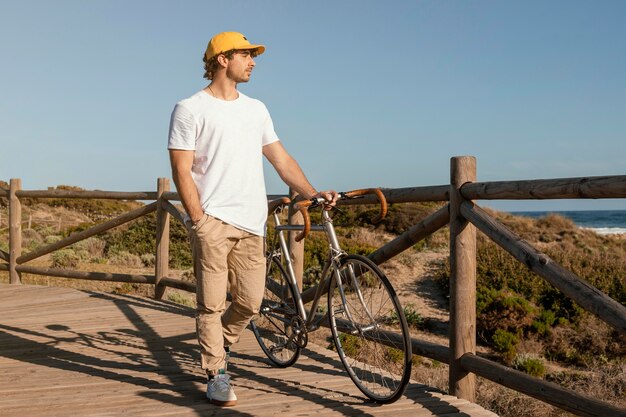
(69, 352)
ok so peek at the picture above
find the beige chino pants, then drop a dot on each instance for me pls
(225, 254)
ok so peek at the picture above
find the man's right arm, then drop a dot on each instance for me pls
(181, 161)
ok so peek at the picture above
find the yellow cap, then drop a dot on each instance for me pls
(226, 41)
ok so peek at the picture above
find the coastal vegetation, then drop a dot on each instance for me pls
(522, 321)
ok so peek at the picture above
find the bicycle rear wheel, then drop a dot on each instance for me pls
(274, 325)
(369, 330)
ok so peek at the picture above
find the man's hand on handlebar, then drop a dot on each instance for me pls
(331, 197)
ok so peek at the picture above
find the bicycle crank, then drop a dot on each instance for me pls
(300, 336)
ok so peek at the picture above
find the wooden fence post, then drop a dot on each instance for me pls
(296, 249)
(15, 230)
(161, 260)
(462, 281)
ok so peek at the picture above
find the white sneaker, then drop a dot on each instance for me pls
(220, 392)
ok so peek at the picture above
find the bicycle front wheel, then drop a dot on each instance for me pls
(273, 327)
(369, 329)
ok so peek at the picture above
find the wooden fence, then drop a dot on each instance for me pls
(461, 214)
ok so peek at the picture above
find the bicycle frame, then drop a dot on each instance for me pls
(334, 255)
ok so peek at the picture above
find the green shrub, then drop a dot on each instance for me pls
(394, 355)
(46, 231)
(529, 364)
(148, 259)
(544, 322)
(413, 318)
(93, 246)
(125, 258)
(50, 239)
(505, 342)
(65, 258)
(351, 345)
(180, 299)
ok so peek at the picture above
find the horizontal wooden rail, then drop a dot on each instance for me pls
(413, 194)
(75, 237)
(421, 230)
(4, 256)
(393, 195)
(579, 290)
(92, 276)
(548, 392)
(171, 195)
(581, 187)
(179, 284)
(4, 267)
(4, 192)
(405, 195)
(102, 195)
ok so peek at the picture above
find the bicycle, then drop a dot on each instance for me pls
(368, 326)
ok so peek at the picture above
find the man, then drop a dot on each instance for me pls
(216, 141)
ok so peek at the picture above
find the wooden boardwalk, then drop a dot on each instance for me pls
(65, 352)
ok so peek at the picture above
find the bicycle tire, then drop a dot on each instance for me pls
(377, 362)
(272, 326)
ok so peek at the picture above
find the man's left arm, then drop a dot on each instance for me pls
(291, 173)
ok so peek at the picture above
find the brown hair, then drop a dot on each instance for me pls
(211, 66)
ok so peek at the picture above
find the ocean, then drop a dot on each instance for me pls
(604, 222)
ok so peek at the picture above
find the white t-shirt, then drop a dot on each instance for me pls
(228, 139)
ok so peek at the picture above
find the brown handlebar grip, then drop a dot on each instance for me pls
(303, 208)
(381, 198)
(274, 204)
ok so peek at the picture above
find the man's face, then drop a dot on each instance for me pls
(240, 66)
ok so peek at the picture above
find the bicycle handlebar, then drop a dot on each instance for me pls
(274, 204)
(303, 206)
(381, 199)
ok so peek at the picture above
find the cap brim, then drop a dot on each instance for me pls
(259, 48)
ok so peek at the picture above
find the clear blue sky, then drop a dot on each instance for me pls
(362, 93)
